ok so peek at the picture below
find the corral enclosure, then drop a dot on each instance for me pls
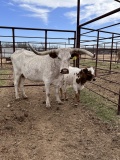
(103, 43)
(68, 132)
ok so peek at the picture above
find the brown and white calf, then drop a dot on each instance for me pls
(77, 78)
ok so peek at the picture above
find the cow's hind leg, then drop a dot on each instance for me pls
(22, 79)
(16, 84)
(47, 89)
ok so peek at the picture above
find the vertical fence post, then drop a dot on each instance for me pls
(119, 104)
(85, 54)
(13, 36)
(74, 38)
(78, 46)
(1, 53)
(93, 49)
(111, 52)
(45, 40)
(97, 53)
(116, 53)
(78, 31)
(74, 64)
(104, 53)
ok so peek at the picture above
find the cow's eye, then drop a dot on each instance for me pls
(59, 58)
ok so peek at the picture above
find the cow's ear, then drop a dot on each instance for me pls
(53, 55)
(74, 55)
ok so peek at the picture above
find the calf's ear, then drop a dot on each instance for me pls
(85, 70)
(53, 55)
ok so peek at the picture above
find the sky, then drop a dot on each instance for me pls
(56, 14)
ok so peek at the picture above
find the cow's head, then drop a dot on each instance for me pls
(63, 55)
(86, 74)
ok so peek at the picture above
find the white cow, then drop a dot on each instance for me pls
(45, 66)
(76, 78)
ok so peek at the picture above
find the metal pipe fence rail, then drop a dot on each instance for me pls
(104, 88)
(26, 85)
(44, 31)
(102, 73)
(109, 42)
(45, 37)
(115, 93)
(117, 104)
(95, 38)
(103, 65)
(101, 60)
(108, 80)
(105, 80)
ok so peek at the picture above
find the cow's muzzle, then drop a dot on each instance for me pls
(64, 71)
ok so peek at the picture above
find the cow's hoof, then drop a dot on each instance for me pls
(17, 99)
(48, 107)
(25, 97)
(60, 103)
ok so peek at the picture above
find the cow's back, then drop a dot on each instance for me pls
(35, 67)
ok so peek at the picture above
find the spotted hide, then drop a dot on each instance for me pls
(76, 78)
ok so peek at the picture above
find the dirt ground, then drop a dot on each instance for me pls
(29, 131)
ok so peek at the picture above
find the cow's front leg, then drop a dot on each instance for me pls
(47, 88)
(16, 84)
(65, 92)
(65, 96)
(57, 95)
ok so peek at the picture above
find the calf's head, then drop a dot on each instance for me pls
(86, 74)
